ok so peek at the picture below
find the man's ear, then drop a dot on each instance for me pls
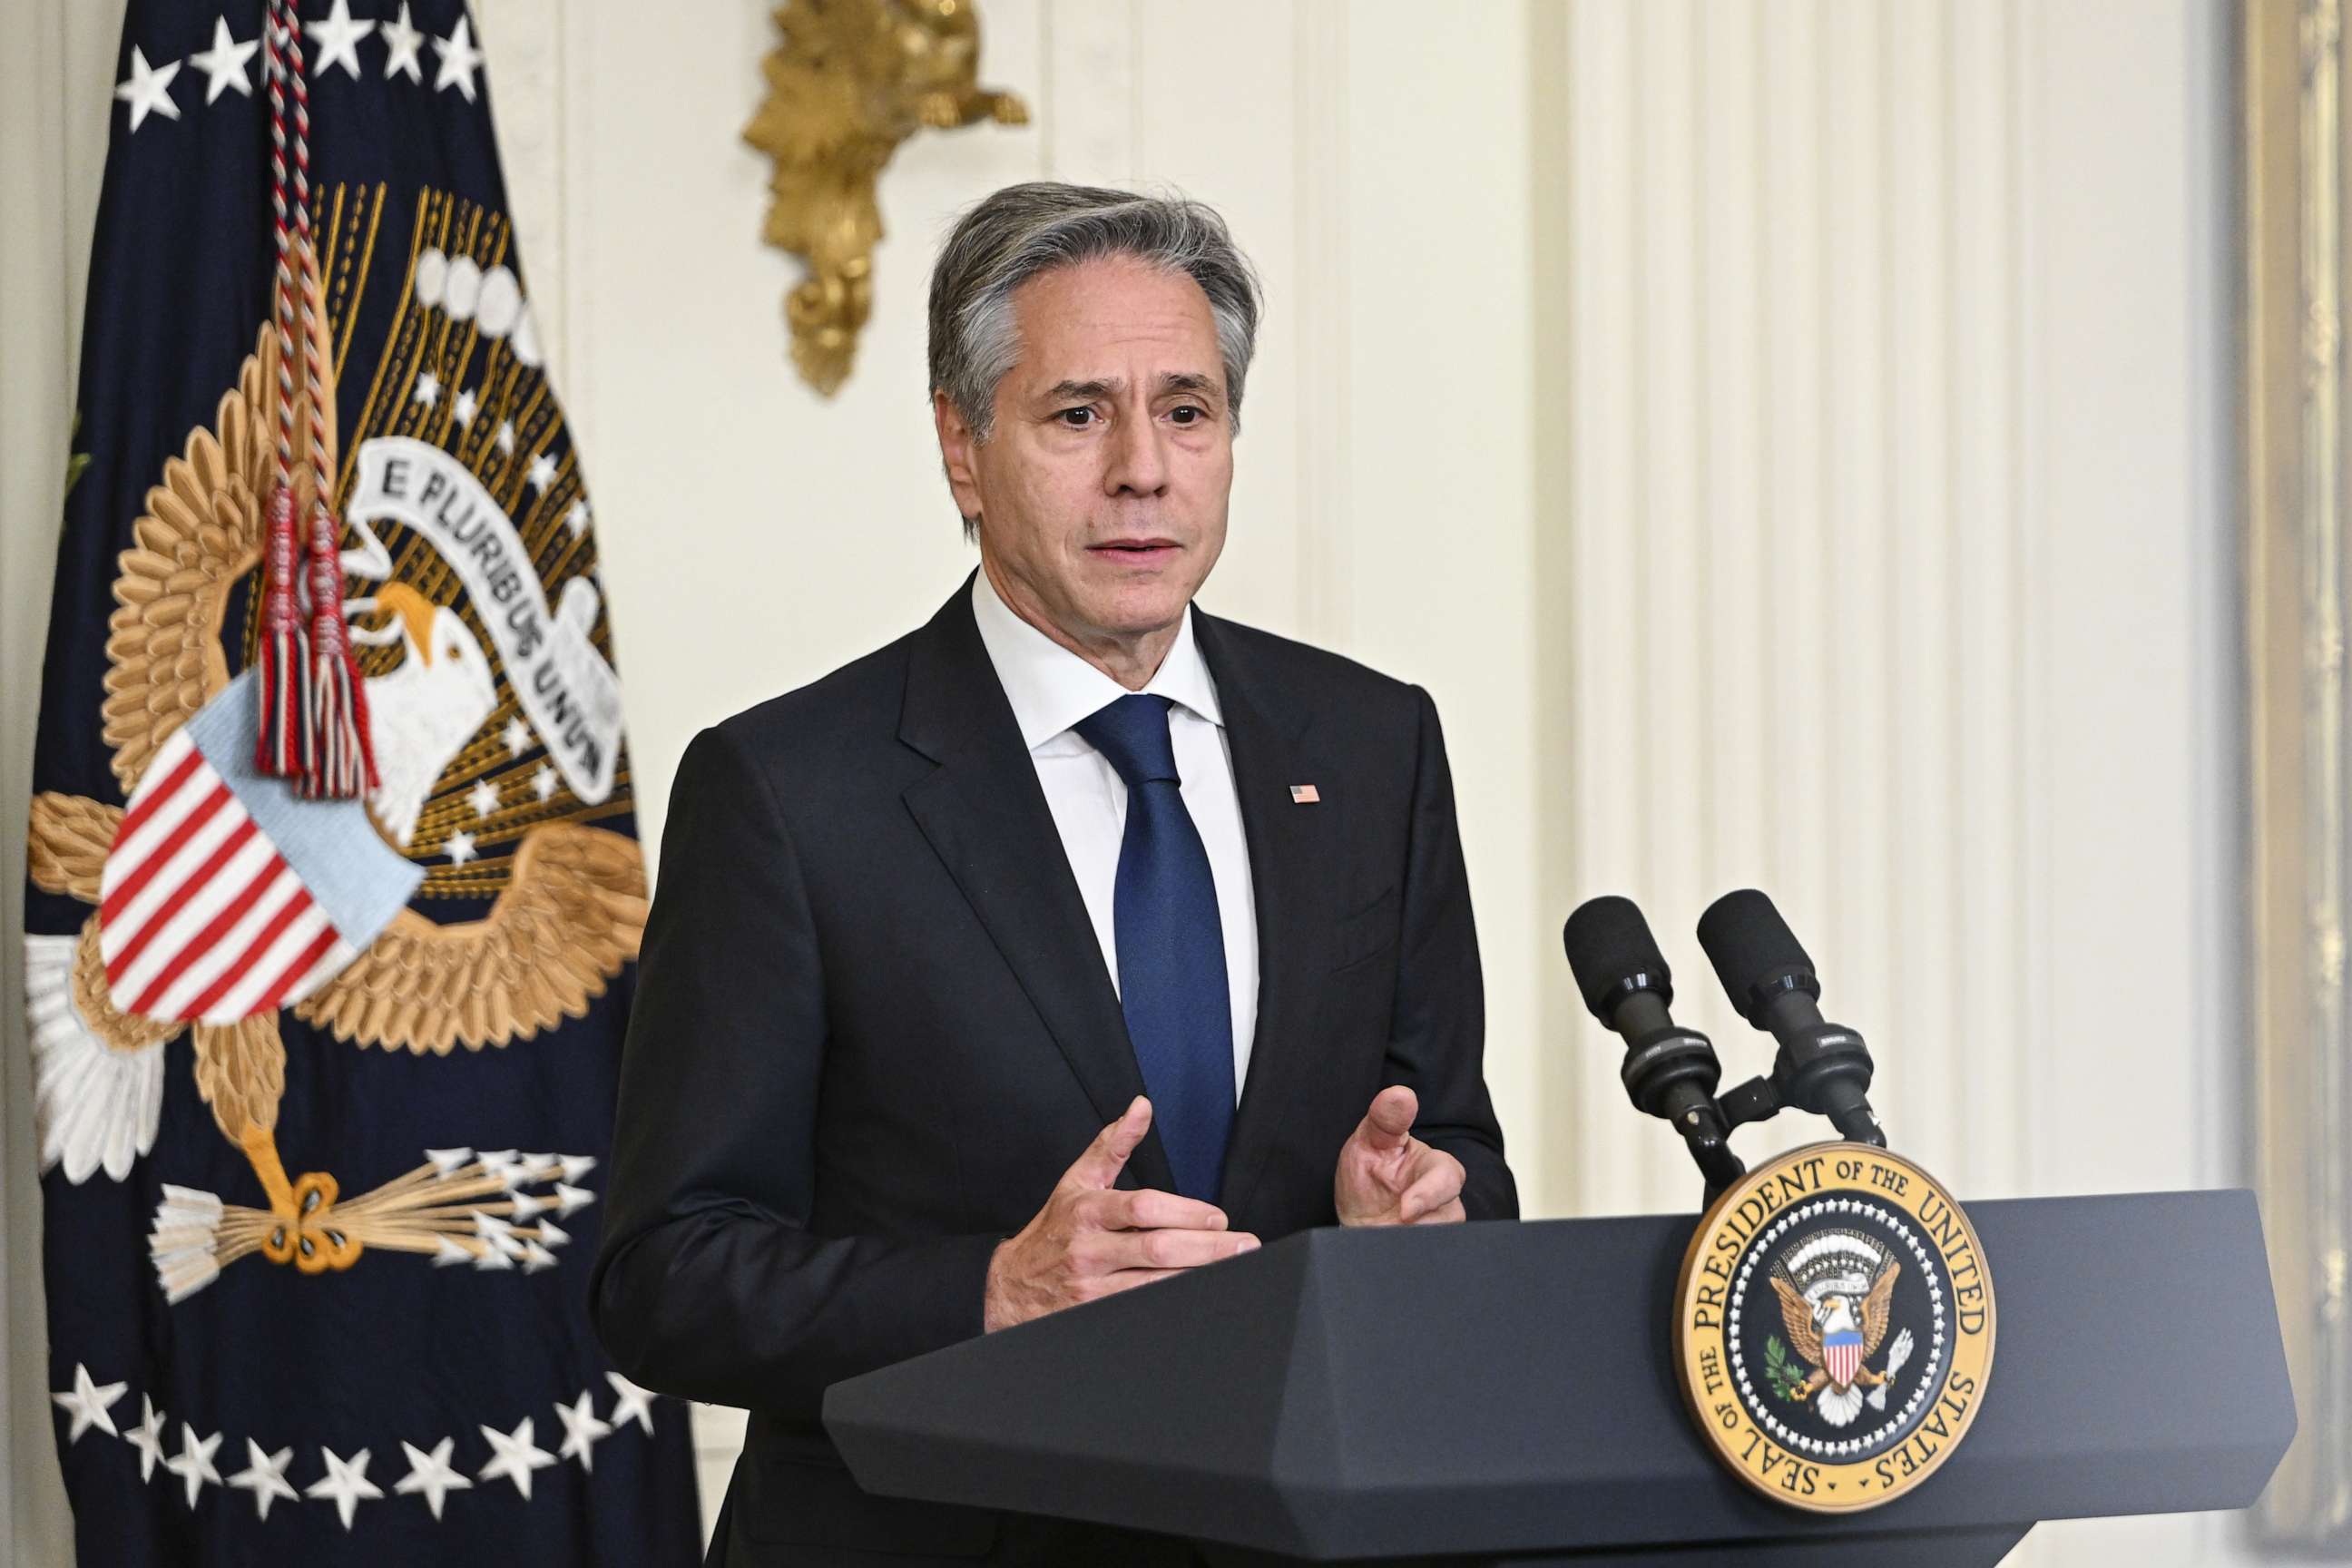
(957, 444)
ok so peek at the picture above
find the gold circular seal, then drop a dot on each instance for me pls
(1833, 1327)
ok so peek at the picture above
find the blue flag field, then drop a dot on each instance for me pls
(334, 889)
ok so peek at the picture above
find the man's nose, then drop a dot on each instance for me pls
(1137, 464)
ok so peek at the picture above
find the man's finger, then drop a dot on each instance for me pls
(1452, 1214)
(1162, 1250)
(1105, 1157)
(1149, 1208)
(1436, 1187)
(1389, 1122)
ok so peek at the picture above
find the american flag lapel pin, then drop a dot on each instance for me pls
(1304, 795)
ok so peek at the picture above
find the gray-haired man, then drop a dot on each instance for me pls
(1073, 941)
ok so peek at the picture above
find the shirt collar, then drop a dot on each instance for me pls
(1051, 688)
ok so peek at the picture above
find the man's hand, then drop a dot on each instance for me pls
(1091, 1240)
(1388, 1176)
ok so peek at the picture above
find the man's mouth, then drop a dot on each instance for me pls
(1135, 552)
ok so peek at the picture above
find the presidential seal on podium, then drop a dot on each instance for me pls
(1833, 1327)
(1834, 1318)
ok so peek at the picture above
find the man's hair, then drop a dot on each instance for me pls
(1027, 230)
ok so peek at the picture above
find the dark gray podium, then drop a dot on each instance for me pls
(1502, 1393)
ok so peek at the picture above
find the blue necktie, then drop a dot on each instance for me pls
(1171, 945)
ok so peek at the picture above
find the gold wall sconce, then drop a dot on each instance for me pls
(849, 81)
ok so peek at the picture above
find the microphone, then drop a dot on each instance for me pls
(1822, 1067)
(1669, 1072)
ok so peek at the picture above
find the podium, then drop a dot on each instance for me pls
(1503, 1393)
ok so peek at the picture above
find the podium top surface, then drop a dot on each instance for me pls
(1508, 1386)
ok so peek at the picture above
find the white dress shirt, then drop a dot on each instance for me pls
(1051, 689)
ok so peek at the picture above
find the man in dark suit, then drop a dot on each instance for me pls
(1073, 941)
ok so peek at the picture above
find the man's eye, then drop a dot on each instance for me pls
(1188, 414)
(1077, 418)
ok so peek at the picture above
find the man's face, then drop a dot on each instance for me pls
(1102, 491)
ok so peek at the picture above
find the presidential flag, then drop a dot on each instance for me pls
(335, 894)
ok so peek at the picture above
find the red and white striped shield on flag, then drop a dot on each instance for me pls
(224, 893)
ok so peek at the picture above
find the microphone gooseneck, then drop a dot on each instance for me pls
(1821, 1066)
(1669, 1072)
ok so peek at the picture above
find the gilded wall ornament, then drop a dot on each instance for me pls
(850, 80)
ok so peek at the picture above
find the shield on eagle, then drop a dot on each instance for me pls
(1842, 1351)
(225, 894)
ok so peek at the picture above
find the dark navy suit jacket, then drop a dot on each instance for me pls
(873, 1027)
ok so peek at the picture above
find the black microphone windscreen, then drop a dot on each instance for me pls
(1749, 943)
(1612, 952)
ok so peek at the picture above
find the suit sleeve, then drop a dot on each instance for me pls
(709, 1284)
(1437, 1036)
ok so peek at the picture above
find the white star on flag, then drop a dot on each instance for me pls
(581, 1430)
(542, 472)
(338, 39)
(517, 736)
(460, 847)
(483, 798)
(517, 1457)
(147, 1436)
(88, 1404)
(194, 1461)
(576, 520)
(264, 1477)
(459, 58)
(224, 64)
(147, 90)
(345, 1482)
(428, 388)
(404, 39)
(543, 783)
(430, 1473)
(506, 436)
(635, 1404)
(463, 409)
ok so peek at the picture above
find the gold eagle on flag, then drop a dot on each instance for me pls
(569, 915)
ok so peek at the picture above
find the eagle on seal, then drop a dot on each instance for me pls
(1837, 1295)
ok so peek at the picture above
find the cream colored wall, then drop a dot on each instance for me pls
(1789, 453)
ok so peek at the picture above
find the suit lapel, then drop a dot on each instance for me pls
(985, 816)
(1290, 862)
